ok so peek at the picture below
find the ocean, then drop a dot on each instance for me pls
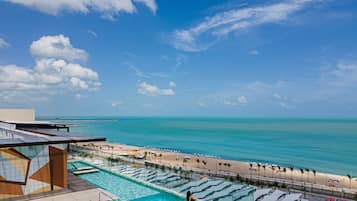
(327, 145)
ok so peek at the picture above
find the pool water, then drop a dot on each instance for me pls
(124, 188)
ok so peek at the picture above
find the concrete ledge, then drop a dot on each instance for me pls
(92, 194)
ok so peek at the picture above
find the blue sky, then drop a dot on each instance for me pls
(294, 58)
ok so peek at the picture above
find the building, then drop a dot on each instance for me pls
(33, 154)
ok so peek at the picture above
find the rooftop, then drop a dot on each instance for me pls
(25, 133)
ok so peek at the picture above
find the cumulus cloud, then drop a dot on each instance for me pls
(172, 84)
(212, 28)
(3, 43)
(54, 71)
(107, 8)
(58, 47)
(152, 90)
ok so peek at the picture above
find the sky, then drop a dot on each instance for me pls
(237, 58)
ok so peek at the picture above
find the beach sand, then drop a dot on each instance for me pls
(231, 167)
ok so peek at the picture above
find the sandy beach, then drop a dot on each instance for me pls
(208, 165)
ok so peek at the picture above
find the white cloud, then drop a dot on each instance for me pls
(117, 103)
(107, 8)
(203, 35)
(93, 33)
(252, 93)
(58, 47)
(172, 84)
(254, 52)
(343, 74)
(53, 72)
(284, 101)
(143, 74)
(136, 70)
(3, 43)
(80, 96)
(235, 100)
(149, 3)
(180, 59)
(152, 90)
(277, 96)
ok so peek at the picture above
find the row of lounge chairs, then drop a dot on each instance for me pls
(166, 179)
(220, 190)
(276, 195)
(214, 189)
(204, 189)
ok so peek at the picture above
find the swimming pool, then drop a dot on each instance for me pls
(124, 188)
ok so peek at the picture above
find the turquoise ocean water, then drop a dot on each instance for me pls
(328, 145)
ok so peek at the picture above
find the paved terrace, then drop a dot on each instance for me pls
(78, 190)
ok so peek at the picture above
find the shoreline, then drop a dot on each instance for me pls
(225, 159)
(219, 166)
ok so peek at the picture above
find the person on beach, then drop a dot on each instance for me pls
(190, 197)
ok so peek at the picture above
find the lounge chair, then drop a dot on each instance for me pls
(177, 183)
(261, 193)
(190, 184)
(127, 171)
(146, 175)
(204, 186)
(163, 178)
(212, 190)
(276, 195)
(158, 175)
(137, 171)
(292, 197)
(174, 178)
(225, 192)
(243, 193)
(142, 173)
(150, 177)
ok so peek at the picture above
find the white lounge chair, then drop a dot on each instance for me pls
(204, 186)
(276, 195)
(163, 178)
(261, 193)
(212, 190)
(175, 178)
(143, 173)
(243, 193)
(191, 184)
(292, 197)
(158, 175)
(177, 183)
(224, 192)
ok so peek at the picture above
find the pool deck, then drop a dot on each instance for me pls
(92, 194)
(78, 190)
